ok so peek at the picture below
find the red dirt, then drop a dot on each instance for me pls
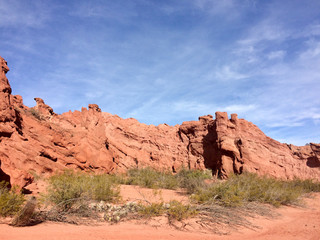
(293, 223)
(136, 193)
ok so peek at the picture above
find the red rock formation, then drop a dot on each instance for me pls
(38, 141)
(7, 113)
(42, 109)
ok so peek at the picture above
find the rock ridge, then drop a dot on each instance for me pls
(36, 141)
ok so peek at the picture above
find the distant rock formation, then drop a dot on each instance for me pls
(36, 141)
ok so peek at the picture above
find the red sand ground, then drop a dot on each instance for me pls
(294, 223)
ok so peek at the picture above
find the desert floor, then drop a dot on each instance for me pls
(301, 222)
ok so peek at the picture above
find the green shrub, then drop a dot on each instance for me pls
(248, 187)
(307, 186)
(150, 178)
(178, 211)
(193, 179)
(151, 210)
(103, 188)
(68, 188)
(10, 201)
(174, 210)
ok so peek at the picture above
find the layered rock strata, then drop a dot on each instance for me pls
(36, 141)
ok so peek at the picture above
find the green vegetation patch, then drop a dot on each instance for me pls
(150, 178)
(151, 210)
(10, 201)
(179, 211)
(68, 188)
(174, 210)
(191, 180)
(248, 187)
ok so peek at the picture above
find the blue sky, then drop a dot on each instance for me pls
(171, 61)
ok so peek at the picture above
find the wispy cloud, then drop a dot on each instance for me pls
(242, 109)
(227, 72)
(276, 55)
(15, 13)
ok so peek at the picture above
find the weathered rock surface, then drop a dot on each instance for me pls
(7, 113)
(36, 141)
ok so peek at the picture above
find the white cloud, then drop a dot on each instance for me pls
(268, 30)
(312, 30)
(276, 55)
(241, 109)
(316, 116)
(228, 73)
(17, 13)
(312, 52)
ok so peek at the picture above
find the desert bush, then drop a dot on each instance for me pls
(150, 178)
(193, 179)
(151, 210)
(10, 201)
(174, 210)
(69, 188)
(103, 188)
(248, 187)
(306, 186)
(178, 211)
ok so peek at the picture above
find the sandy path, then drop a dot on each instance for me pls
(294, 223)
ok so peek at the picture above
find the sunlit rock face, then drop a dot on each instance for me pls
(36, 141)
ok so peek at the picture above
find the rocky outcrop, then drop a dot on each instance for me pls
(42, 109)
(236, 145)
(7, 112)
(36, 141)
(10, 130)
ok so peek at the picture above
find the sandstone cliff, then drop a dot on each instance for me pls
(36, 141)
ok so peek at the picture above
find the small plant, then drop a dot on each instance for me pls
(178, 211)
(103, 188)
(174, 210)
(151, 210)
(10, 200)
(35, 113)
